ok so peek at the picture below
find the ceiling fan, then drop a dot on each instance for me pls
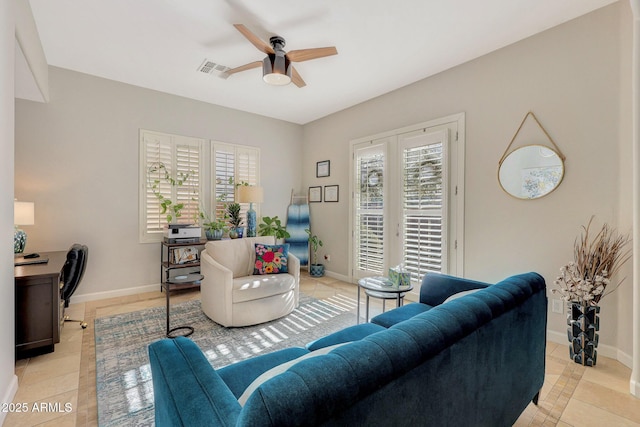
(276, 66)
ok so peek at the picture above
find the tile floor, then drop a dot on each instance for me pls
(572, 395)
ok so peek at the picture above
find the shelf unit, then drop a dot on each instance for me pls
(166, 267)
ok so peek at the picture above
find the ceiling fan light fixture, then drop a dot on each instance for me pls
(276, 70)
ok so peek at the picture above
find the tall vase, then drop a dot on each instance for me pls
(583, 324)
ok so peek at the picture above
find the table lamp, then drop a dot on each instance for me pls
(23, 214)
(250, 194)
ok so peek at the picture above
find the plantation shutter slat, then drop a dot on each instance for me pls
(188, 165)
(234, 165)
(369, 210)
(182, 157)
(423, 195)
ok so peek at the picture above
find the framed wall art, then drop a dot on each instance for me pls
(315, 194)
(323, 169)
(331, 193)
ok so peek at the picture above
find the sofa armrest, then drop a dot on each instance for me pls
(216, 290)
(438, 287)
(187, 390)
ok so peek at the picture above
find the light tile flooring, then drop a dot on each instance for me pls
(572, 395)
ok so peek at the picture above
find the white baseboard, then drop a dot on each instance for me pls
(337, 276)
(8, 396)
(114, 294)
(634, 388)
(603, 349)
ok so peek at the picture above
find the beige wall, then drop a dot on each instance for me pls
(8, 380)
(570, 77)
(77, 159)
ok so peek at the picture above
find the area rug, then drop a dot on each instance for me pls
(123, 375)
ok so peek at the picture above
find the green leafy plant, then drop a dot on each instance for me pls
(214, 223)
(314, 241)
(272, 227)
(155, 173)
(233, 211)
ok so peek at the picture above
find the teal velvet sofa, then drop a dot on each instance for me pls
(477, 360)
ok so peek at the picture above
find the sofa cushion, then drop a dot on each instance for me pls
(238, 255)
(461, 294)
(239, 375)
(271, 259)
(352, 333)
(250, 288)
(400, 314)
(277, 370)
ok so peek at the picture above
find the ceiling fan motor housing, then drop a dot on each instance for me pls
(276, 67)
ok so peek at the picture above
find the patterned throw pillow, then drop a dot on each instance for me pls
(271, 259)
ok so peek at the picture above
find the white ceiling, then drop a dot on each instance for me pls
(382, 45)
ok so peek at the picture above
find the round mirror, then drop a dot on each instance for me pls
(531, 172)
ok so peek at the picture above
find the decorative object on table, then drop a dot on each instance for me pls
(233, 211)
(331, 193)
(323, 169)
(214, 227)
(315, 194)
(158, 172)
(584, 282)
(533, 170)
(250, 194)
(272, 227)
(23, 214)
(315, 269)
(399, 276)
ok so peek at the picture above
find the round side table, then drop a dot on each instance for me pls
(382, 288)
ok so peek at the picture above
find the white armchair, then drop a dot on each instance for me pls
(232, 296)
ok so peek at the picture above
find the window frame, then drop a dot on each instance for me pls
(455, 214)
(172, 144)
(246, 167)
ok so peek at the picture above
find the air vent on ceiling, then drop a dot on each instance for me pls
(209, 67)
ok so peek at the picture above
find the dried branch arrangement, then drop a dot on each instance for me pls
(597, 259)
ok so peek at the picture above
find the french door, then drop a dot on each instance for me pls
(406, 202)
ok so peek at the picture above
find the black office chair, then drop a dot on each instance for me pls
(72, 273)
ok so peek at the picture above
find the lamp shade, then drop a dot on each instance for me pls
(250, 194)
(276, 70)
(23, 213)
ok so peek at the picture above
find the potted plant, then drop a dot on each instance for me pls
(272, 227)
(315, 269)
(233, 211)
(214, 227)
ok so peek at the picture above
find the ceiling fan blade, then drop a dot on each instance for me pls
(296, 79)
(245, 67)
(307, 54)
(255, 40)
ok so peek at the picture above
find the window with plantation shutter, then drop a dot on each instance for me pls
(423, 203)
(181, 159)
(408, 200)
(233, 165)
(369, 208)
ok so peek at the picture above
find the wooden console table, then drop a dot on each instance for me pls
(38, 315)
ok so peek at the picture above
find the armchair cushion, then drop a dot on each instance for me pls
(271, 259)
(238, 255)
